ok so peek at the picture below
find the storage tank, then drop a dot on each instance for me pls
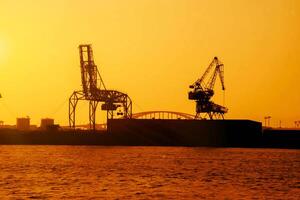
(23, 123)
(46, 122)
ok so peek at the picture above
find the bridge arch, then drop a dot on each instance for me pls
(162, 115)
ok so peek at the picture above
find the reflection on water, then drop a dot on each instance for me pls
(148, 173)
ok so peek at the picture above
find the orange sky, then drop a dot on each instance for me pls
(152, 50)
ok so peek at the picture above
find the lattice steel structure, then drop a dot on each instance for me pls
(95, 92)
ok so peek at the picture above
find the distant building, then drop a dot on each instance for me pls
(46, 123)
(23, 123)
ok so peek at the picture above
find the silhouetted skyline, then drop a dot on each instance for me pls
(152, 50)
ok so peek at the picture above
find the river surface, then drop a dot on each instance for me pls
(98, 172)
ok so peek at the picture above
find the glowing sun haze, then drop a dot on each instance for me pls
(152, 50)
(3, 50)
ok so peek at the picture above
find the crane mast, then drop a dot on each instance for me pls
(202, 92)
(90, 76)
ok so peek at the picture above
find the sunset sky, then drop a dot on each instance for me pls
(152, 50)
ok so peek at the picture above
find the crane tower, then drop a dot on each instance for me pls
(202, 92)
(94, 91)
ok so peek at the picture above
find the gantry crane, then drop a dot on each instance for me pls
(94, 91)
(203, 91)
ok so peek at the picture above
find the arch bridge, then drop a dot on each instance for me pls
(162, 115)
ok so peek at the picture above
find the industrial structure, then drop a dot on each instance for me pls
(203, 91)
(23, 123)
(94, 91)
(267, 121)
(297, 124)
(46, 123)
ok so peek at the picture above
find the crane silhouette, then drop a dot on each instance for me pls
(94, 91)
(203, 91)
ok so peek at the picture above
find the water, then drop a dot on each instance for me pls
(91, 172)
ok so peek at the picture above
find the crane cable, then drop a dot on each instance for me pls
(224, 98)
(11, 113)
(59, 107)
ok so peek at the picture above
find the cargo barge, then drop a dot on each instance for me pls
(147, 132)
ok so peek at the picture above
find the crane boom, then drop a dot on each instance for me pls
(218, 71)
(200, 81)
(221, 75)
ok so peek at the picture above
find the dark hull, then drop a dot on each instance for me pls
(243, 133)
(121, 132)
